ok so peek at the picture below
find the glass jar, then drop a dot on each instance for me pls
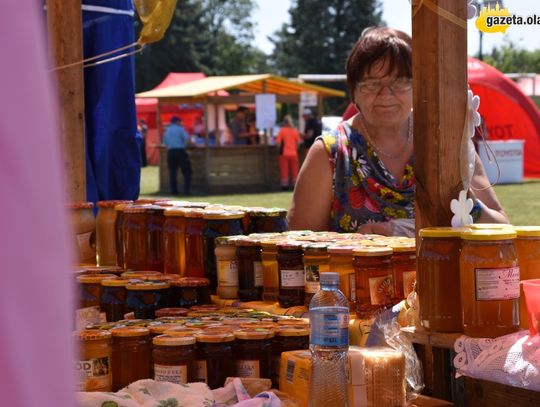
(93, 366)
(106, 232)
(316, 261)
(267, 220)
(83, 224)
(227, 268)
(189, 291)
(528, 252)
(489, 283)
(145, 297)
(174, 359)
(194, 243)
(218, 223)
(174, 242)
(135, 236)
(162, 327)
(171, 312)
(154, 237)
(90, 289)
(113, 298)
(341, 262)
(214, 358)
(404, 264)
(270, 269)
(374, 280)
(291, 274)
(131, 355)
(250, 271)
(438, 279)
(119, 233)
(252, 353)
(287, 339)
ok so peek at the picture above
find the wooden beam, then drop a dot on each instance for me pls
(64, 25)
(440, 95)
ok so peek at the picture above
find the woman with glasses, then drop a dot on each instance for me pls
(359, 178)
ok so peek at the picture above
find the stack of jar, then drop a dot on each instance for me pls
(182, 349)
(469, 278)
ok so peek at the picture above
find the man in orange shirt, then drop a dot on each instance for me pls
(287, 141)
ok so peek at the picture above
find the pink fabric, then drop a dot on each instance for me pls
(35, 293)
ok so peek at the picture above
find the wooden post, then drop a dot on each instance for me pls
(64, 25)
(440, 95)
(159, 125)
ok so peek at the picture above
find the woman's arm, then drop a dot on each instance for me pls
(310, 208)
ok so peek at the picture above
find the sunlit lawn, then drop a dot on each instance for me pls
(520, 201)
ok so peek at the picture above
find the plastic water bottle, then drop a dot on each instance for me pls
(329, 343)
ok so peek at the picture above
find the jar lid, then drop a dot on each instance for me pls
(224, 241)
(222, 214)
(114, 282)
(215, 337)
(160, 329)
(247, 241)
(121, 207)
(92, 335)
(441, 231)
(476, 226)
(135, 209)
(293, 330)
(403, 248)
(112, 204)
(205, 308)
(199, 205)
(293, 321)
(237, 321)
(130, 331)
(171, 312)
(316, 247)
(234, 208)
(155, 209)
(193, 213)
(489, 234)
(289, 245)
(102, 270)
(341, 249)
(176, 212)
(527, 231)
(183, 331)
(139, 273)
(80, 205)
(93, 278)
(147, 285)
(169, 340)
(270, 243)
(259, 325)
(372, 251)
(253, 334)
(190, 282)
(267, 212)
(168, 202)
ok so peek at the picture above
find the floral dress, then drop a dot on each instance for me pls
(363, 189)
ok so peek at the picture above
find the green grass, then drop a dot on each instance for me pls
(520, 201)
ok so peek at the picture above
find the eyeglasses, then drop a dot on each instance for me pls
(376, 85)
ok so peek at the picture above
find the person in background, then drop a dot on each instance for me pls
(312, 128)
(360, 177)
(238, 127)
(287, 141)
(253, 132)
(176, 139)
(143, 130)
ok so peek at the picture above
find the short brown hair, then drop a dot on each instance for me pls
(375, 44)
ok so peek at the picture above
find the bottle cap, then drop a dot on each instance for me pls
(329, 278)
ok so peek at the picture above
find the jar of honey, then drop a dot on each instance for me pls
(131, 356)
(145, 297)
(90, 289)
(341, 262)
(105, 233)
(291, 274)
(528, 252)
(404, 264)
(438, 279)
(267, 220)
(316, 261)
(189, 291)
(174, 241)
(113, 298)
(83, 225)
(174, 359)
(270, 269)
(154, 237)
(119, 233)
(250, 271)
(374, 280)
(227, 267)
(194, 243)
(489, 283)
(135, 236)
(214, 358)
(218, 223)
(93, 366)
(252, 352)
(286, 339)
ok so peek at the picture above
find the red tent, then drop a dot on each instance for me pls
(508, 113)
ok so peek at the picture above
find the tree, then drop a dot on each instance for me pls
(512, 58)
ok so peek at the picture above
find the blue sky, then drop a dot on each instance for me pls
(397, 13)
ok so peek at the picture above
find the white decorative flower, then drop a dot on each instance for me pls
(471, 9)
(473, 103)
(468, 153)
(461, 208)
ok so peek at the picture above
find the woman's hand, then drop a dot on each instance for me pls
(378, 228)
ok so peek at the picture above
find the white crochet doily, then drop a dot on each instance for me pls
(512, 359)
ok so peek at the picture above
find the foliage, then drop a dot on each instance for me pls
(510, 57)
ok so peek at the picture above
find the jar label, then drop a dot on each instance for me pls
(227, 273)
(352, 287)
(248, 368)
(89, 316)
(497, 283)
(409, 278)
(292, 278)
(93, 374)
(312, 278)
(381, 290)
(258, 274)
(173, 374)
(86, 248)
(200, 371)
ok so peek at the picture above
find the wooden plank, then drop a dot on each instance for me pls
(425, 401)
(437, 339)
(64, 25)
(480, 393)
(439, 98)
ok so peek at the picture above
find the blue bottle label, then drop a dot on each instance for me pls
(329, 329)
